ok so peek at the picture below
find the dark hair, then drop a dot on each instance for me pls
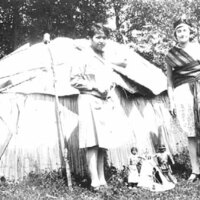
(182, 20)
(134, 149)
(98, 28)
(193, 34)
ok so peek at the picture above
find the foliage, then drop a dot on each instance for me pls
(24, 21)
(146, 25)
(182, 166)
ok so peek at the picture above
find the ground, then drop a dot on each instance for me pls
(47, 190)
(51, 185)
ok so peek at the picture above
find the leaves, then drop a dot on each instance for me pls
(147, 25)
(23, 21)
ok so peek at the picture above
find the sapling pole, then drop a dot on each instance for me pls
(63, 155)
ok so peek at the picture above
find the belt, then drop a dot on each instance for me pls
(95, 93)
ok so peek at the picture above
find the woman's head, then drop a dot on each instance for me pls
(182, 30)
(98, 35)
(97, 29)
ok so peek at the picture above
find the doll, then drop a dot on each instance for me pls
(133, 173)
(164, 163)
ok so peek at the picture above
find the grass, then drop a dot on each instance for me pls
(51, 185)
(48, 190)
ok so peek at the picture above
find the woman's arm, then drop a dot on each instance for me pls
(79, 79)
(170, 90)
(82, 82)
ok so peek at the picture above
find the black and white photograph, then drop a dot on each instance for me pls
(99, 99)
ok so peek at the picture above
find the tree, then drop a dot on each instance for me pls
(11, 25)
(147, 25)
(27, 20)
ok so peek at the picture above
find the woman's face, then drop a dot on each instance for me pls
(183, 34)
(98, 42)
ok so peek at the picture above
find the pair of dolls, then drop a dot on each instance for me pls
(153, 169)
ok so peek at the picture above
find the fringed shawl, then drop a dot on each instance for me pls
(185, 68)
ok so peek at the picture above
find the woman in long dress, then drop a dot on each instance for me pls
(183, 72)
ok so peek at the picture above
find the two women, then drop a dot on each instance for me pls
(183, 72)
(93, 78)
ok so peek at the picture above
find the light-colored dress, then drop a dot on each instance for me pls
(133, 175)
(184, 102)
(102, 121)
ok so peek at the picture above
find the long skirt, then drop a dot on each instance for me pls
(102, 123)
(184, 101)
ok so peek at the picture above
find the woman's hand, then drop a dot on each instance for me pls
(102, 90)
(172, 109)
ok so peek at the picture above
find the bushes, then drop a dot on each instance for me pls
(182, 166)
